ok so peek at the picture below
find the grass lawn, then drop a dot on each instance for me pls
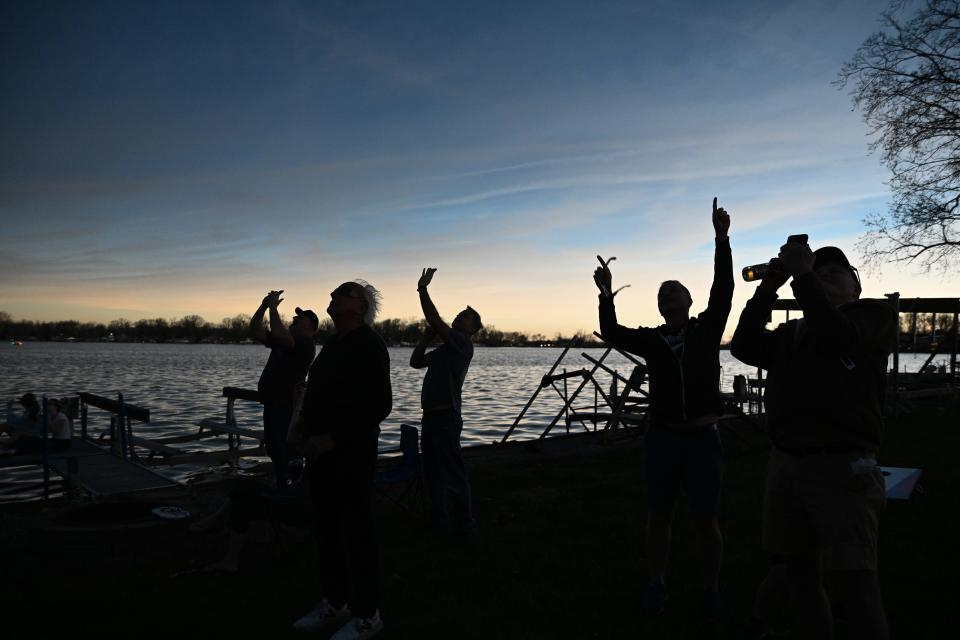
(561, 556)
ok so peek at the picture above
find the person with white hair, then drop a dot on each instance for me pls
(348, 395)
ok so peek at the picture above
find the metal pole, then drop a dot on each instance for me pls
(523, 412)
(894, 299)
(953, 350)
(576, 393)
(45, 428)
(596, 406)
(121, 428)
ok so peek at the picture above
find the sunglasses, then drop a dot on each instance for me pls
(345, 290)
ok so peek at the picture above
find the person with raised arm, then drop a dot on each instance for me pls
(824, 399)
(441, 401)
(291, 352)
(682, 446)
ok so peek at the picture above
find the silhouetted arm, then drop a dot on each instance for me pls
(257, 332)
(278, 331)
(636, 341)
(721, 291)
(430, 312)
(419, 359)
(752, 344)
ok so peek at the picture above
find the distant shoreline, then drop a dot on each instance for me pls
(549, 344)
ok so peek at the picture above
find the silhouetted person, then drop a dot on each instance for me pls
(291, 352)
(26, 428)
(682, 446)
(443, 469)
(348, 395)
(24, 418)
(824, 400)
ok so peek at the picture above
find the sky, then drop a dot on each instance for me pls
(161, 159)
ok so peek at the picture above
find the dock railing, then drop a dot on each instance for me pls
(121, 417)
(614, 406)
(94, 469)
(229, 425)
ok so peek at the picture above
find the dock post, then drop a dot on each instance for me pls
(231, 420)
(72, 490)
(122, 426)
(894, 299)
(113, 434)
(46, 453)
(953, 350)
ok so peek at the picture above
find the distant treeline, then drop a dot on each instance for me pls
(194, 329)
(940, 323)
(926, 331)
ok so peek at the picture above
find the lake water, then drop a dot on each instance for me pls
(181, 384)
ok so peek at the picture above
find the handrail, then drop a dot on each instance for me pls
(242, 394)
(134, 412)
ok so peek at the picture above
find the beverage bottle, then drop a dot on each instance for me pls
(755, 272)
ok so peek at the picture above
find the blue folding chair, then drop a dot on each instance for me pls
(403, 484)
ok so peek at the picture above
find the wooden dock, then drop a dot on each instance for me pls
(98, 472)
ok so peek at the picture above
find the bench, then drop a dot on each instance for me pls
(229, 424)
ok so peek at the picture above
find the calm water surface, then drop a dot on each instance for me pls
(181, 384)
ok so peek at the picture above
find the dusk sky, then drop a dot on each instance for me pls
(169, 158)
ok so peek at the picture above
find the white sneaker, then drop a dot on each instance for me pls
(320, 617)
(360, 628)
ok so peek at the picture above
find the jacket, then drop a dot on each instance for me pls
(684, 388)
(827, 371)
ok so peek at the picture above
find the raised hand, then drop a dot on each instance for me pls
(721, 220)
(797, 258)
(425, 278)
(775, 277)
(602, 276)
(273, 298)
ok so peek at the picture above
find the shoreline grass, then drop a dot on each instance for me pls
(561, 556)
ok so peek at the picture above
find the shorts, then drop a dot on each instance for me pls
(692, 460)
(829, 503)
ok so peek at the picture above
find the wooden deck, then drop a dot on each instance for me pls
(95, 470)
(100, 473)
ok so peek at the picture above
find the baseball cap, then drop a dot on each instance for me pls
(310, 315)
(833, 255)
(825, 255)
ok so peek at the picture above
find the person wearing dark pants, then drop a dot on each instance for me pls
(348, 395)
(824, 490)
(291, 351)
(346, 532)
(441, 400)
(682, 447)
(444, 472)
